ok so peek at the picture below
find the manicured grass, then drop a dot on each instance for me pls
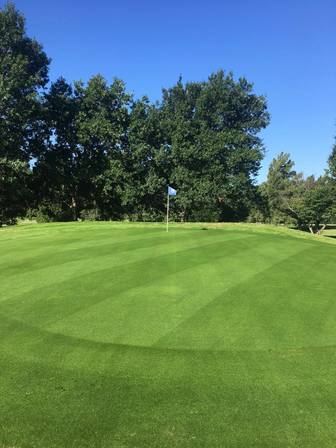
(116, 335)
(330, 231)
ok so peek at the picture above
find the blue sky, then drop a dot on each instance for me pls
(286, 48)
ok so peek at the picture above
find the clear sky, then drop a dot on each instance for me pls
(287, 48)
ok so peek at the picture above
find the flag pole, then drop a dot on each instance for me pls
(167, 208)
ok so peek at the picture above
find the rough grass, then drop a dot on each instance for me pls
(121, 335)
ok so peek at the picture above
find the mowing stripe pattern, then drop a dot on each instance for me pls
(126, 336)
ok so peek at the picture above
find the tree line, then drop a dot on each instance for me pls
(92, 150)
(287, 197)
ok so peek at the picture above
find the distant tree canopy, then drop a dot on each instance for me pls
(332, 162)
(73, 151)
(291, 199)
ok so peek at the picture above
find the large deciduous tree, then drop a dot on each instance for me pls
(212, 145)
(102, 136)
(145, 164)
(23, 71)
(80, 169)
(56, 171)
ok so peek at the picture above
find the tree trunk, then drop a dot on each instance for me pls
(74, 208)
(319, 232)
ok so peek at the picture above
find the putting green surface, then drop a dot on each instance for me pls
(120, 336)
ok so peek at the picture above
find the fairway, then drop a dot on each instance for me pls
(121, 335)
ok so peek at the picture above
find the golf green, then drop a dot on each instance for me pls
(121, 335)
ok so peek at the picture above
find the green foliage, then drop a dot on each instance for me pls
(91, 214)
(56, 170)
(23, 70)
(307, 203)
(108, 152)
(259, 211)
(49, 212)
(14, 189)
(145, 164)
(317, 202)
(332, 162)
(95, 152)
(278, 188)
(212, 145)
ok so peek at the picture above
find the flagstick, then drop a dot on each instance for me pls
(167, 209)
